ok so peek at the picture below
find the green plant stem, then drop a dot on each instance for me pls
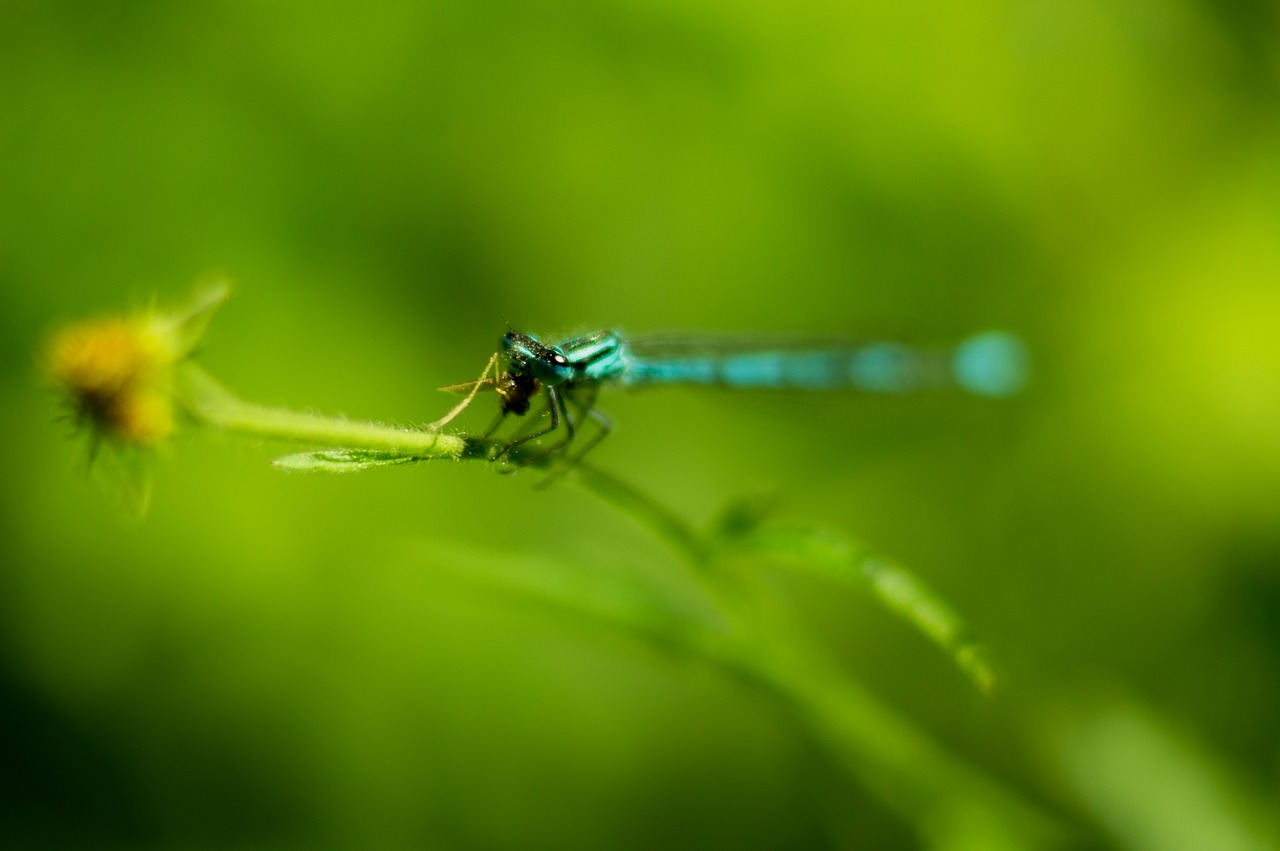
(209, 403)
(909, 771)
(662, 522)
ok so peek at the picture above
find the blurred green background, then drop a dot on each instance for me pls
(288, 661)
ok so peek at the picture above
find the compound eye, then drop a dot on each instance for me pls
(561, 360)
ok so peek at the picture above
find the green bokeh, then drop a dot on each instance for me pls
(288, 661)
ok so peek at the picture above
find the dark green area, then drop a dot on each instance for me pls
(272, 661)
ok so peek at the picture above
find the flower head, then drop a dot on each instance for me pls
(117, 372)
(113, 371)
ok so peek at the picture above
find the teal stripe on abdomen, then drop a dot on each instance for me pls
(879, 368)
(993, 363)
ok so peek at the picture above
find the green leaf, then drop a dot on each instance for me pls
(186, 326)
(342, 460)
(900, 591)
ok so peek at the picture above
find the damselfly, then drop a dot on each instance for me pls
(570, 374)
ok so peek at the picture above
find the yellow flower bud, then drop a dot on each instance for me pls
(117, 374)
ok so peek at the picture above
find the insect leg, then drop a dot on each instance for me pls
(604, 426)
(554, 407)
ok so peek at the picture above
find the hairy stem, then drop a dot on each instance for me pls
(208, 402)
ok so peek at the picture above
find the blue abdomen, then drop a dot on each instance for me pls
(988, 364)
